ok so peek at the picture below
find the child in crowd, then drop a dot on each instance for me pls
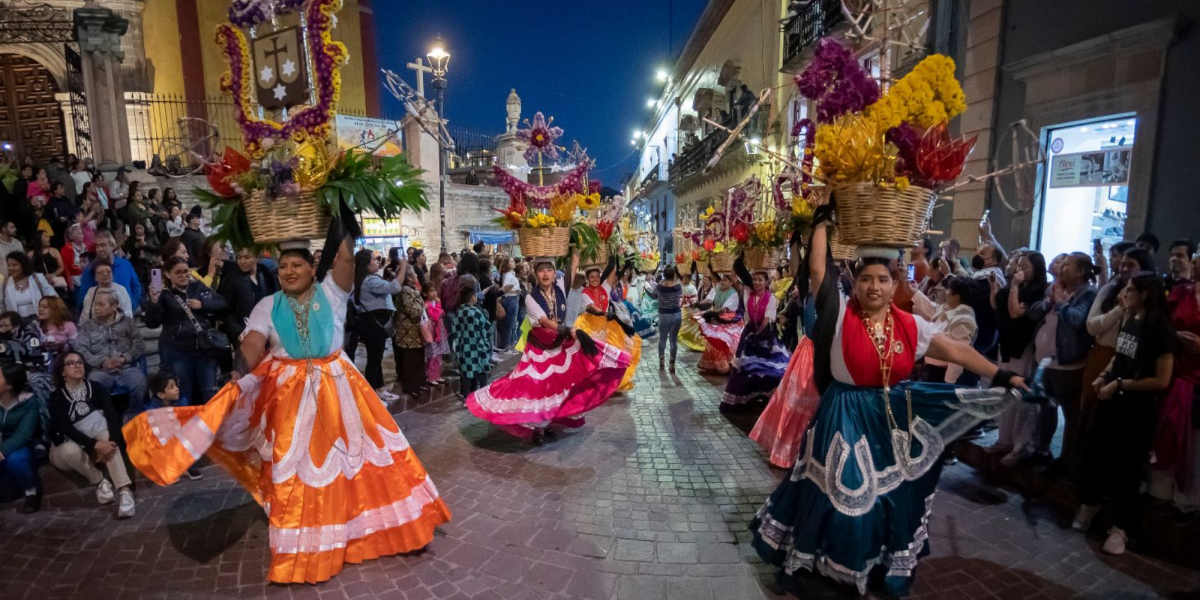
(438, 345)
(164, 392)
(473, 342)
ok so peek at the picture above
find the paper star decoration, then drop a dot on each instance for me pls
(289, 68)
(267, 75)
(280, 92)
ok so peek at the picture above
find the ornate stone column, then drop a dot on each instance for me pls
(100, 32)
(508, 153)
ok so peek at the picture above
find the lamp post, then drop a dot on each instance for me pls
(439, 60)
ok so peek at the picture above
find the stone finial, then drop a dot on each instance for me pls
(100, 31)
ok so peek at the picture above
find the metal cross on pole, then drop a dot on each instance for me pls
(421, 68)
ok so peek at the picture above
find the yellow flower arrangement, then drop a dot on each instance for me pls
(902, 183)
(719, 248)
(928, 95)
(802, 209)
(562, 208)
(588, 202)
(539, 220)
(765, 231)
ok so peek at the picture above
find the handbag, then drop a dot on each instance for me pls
(207, 338)
(500, 312)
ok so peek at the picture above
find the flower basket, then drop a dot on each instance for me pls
(840, 250)
(273, 220)
(601, 258)
(763, 259)
(722, 262)
(647, 264)
(871, 215)
(544, 241)
(684, 269)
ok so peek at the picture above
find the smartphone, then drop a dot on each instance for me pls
(156, 279)
(986, 212)
(1097, 247)
(912, 272)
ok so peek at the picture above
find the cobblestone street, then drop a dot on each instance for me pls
(649, 501)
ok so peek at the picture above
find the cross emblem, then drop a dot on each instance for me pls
(421, 68)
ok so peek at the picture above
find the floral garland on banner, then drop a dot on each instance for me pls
(328, 55)
(248, 13)
(539, 196)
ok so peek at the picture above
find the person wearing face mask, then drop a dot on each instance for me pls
(340, 483)
(760, 358)
(845, 518)
(720, 324)
(563, 372)
(123, 272)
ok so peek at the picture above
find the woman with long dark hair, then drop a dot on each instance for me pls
(1119, 444)
(339, 483)
(373, 303)
(185, 309)
(1017, 437)
(859, 498)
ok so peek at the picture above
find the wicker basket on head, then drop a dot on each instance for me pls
(763, 259)
(647, 264)
(545, 241)
(871, 215)
(722, 262)
(684, 269)
(273, 220)
(840, 251)
(601, 258)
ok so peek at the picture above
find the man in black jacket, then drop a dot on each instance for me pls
(193, 239)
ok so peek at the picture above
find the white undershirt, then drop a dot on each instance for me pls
(837, 362)
(260, 319)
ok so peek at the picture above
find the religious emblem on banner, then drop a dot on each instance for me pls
(280, 69)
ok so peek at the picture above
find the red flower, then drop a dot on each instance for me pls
(741, 233)
(605, 229)
(232, 164)
(709, 245)
(696, 253)
(940, 157)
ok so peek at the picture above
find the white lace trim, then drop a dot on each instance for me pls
(329, 537)
(528, 368)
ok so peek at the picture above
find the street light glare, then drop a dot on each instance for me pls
(661, 75)
(650, 102)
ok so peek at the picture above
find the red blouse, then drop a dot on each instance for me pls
(598, 295)
(1185, 315)
(861, 356)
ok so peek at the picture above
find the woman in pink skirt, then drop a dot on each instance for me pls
(721, 326)
(781, 426)
(562, 374)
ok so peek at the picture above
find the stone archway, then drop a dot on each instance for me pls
(31, 117)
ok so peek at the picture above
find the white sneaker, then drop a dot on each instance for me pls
(126, 506)
(104, 492)
(385, 395)
(496, 359)
(1083, 518)
(1115, 544)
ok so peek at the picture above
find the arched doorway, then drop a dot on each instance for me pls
(31, 119)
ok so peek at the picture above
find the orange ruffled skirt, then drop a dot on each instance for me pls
(317, 449)
(611, 333)
(781, 426)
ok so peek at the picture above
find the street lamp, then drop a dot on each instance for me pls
(439, 61)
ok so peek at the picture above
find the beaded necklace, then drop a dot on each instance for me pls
(301, 311)
(883, 339)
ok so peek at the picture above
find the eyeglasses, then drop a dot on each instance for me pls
(73, 363)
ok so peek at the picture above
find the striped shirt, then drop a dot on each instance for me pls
(668, 298)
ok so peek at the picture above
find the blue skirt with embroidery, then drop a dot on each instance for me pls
(849, 504)
(758, 366)
(645, 328)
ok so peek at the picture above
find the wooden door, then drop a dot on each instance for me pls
(30, 117)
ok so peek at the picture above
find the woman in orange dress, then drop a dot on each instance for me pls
(305, 434)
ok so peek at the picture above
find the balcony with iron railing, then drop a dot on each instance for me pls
(811, 22)
(693, 159)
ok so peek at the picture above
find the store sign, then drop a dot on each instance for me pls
(376, 227)
(1091, 169)
(372, 135)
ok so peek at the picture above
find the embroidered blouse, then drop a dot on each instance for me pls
(260, 319)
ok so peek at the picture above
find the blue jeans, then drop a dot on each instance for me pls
(505, 338)
(668, 329)
(195, 371)
(17, 473)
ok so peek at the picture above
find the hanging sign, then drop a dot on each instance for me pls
(1109, 167)
(377, 136)
(280, 71)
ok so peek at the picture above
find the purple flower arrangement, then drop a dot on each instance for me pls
(539, 196)
(248, 13)
(837, 82)
(539, 138)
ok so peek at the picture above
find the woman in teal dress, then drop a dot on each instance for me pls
(861, 492)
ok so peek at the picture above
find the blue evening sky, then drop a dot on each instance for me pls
(588, 63)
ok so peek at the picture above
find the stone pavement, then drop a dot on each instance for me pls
(649, 501)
